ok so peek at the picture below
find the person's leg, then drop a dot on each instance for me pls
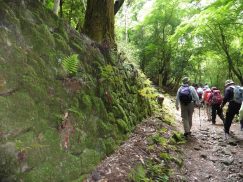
(214, 113)
(228, 120)
(241, 125)
(184, 116)
(190, 113)
(232, 110)
(208, 110)
(220, 113)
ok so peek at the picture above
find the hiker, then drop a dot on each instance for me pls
(200, 92)
(206, 95)
(233, 107)
(205, 87)
(186, 96)
(215, 100)
(241, 116)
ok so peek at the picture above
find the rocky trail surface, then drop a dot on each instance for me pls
(206, 155)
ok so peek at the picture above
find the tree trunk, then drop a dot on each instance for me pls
(61, 9)
(99, 21)
(126, 27)
(231, 65)
(56, 6)
(160, 80)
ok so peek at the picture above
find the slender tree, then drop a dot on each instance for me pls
(56, 6)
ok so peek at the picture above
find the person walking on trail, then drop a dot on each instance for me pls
(215, 100)
(199, 92)
(233, 107)
(241, 116)
(206, 95)
(186, 97)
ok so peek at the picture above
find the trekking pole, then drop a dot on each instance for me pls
(199, 116)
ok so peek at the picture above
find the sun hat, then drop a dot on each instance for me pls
(185, 80)
(214, 88)
(228, 82)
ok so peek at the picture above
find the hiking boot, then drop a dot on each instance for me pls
(186, 134)
(226, 136)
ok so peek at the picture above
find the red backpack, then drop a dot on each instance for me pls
(216, 97)
(207, 95)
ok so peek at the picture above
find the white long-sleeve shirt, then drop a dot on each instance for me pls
(193, 93)
(241, 112)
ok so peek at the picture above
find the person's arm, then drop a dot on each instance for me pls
(241, 112)
(227, 96)
(177, 99)
(194, 95)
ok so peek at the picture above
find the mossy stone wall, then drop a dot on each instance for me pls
(60, 127)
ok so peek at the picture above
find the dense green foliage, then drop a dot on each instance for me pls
(72, 11)
(179, 38)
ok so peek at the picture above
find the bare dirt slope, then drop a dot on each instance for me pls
(207, 155)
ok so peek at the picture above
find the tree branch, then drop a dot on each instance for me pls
(8, 92)
(117, 5)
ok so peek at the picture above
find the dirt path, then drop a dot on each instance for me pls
(207, 156)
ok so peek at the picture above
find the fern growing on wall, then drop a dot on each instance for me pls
(70, 64)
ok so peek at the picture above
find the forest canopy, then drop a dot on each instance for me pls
(168, 39)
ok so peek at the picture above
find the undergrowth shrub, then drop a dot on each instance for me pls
(70, 64)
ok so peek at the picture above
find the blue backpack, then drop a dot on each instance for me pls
(185, 95)
(238, 94)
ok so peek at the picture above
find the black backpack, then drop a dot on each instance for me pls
(185, 95)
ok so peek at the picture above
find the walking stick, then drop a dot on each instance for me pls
(199, 116)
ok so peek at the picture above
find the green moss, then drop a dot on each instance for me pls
(100, 107)
(86, 102)
(39, 36)
(168, 118)
(138, 174)
(110, 145)
(77, 47)
(89, 159)
(61, 44)
(20, 118)
(45, 172)
(61, 30)
(122, 125)
(124, 115)
(111, 118)
(8, 162)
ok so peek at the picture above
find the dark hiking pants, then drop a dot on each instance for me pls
(232, 110)
(216, 110)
